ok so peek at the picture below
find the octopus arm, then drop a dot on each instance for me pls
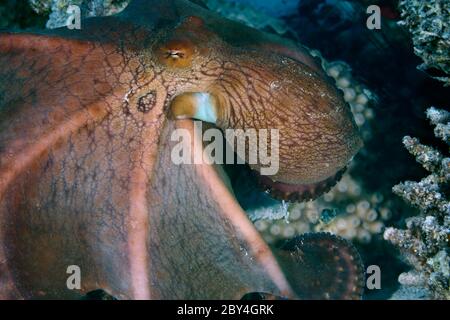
(86, 183)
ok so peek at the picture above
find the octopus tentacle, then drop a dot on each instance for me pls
(298, 192)
(322, 266)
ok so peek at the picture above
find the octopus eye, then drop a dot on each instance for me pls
(176, 53)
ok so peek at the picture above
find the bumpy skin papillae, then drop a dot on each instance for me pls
(85, 171)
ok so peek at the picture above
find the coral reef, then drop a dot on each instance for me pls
(429, 25)
(89, 8)
(425, 241)
(347, 210)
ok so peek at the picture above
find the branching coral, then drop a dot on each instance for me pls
(425, 242)
(429, 24)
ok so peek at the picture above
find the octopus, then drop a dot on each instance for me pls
(86, 177)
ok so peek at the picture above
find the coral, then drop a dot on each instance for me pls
(347, 210)
(425, 241)
(89, 8)
(440, 119)
(429, 25)
(41, 6)
(411, 293)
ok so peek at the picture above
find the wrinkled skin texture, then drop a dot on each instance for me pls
(85, 172)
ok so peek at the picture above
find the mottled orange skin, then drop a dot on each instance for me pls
(85, 172)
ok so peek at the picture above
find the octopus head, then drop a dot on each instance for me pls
(251, 88)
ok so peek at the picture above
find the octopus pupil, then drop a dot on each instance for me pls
(146, 102)
(175, 54)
